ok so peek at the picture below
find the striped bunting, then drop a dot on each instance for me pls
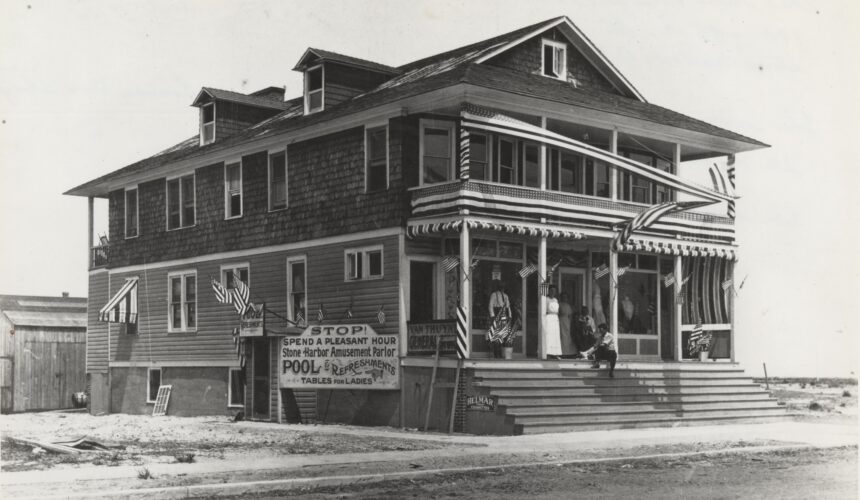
(122, 307)
(462, 346)
(730, 170)
(650, 215)
(380, 315)
(719, 182)
(622, 271)
(449, 263)
(527, 271)
(479, 118)
(520, 229)
(241, 295)
(222, 295)
(465, 152)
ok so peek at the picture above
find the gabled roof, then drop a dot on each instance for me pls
(56, 312)
(327, 55)
(249, 100)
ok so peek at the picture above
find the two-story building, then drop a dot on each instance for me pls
(386, 200)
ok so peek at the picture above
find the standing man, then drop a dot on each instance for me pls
(587, 330)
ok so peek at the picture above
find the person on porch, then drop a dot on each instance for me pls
(586, 330)
(499, 303)
(551, 328)
(604, 349)
(565, 316)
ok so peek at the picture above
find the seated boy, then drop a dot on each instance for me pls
(604, 349)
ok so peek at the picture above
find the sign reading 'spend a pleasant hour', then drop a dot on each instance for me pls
(340, 357)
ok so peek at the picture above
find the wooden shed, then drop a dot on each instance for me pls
(42, 351)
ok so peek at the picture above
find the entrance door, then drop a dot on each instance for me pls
(261, 393)
(422, 304)
(571, 290)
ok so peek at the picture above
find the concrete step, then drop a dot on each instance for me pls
(665, 422)
(528, 400)
(603, 382)
(622, 390)
(645, 406)
(644, 416)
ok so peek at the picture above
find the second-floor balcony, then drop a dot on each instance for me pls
(527, 204)
(99, 256)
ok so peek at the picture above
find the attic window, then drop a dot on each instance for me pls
(207, 123)
(314, 89)
(554, 60)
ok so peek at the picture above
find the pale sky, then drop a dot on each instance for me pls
(87, 87)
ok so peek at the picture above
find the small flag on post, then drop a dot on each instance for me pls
(300, 317)
(241, 296)
(622, 271)
(449, 263)
(743, 281)
(222, 295)
(727, 284)
(668, 280)
(527, 271)
(348, 312)
(685, 280)
(601, 271)
(321, 313)
(380, 315)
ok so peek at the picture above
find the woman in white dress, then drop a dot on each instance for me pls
(551, 328)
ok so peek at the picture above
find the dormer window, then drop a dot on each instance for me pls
(554, 60)
(207, 123)
(314, 89)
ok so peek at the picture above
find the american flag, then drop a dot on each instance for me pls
(621, 272)
(601, 271)
(651, 215)
(449, 263)
(380, 315)
(222, 295)
(669, 280)
(474, 263)
(685, 280)
(652, 308)
(695, 336)
(321, 313)
(543, 288)
(553, 268)
(527, 271)
(300, 317)
(727, 284)
(679, 299)
(241, 296)
(348, 312)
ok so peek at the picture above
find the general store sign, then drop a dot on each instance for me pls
(339, 357)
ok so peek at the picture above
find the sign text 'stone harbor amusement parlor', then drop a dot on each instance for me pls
(431, 245)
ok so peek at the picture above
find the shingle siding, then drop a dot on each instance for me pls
(325, 191)
(526, 57)
(231, 117)
(97, 331)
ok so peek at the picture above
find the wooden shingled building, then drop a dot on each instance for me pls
(333, 256)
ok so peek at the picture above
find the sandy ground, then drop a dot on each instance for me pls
(151, 449)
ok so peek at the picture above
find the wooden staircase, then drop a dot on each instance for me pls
(569, 395)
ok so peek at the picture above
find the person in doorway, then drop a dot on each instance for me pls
(565, 313)
(604, 349)
(586, 330)
(500, 304)
(551, 328)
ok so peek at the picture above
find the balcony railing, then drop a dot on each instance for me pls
(99, 256)
(530, 204)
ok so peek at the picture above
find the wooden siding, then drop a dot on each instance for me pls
(48, 367)
(326, 198)
(526, 57)
(213, 341)
(97, 331)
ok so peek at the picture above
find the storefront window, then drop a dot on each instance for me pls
(483, 285)
(637, 304)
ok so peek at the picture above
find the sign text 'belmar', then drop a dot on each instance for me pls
(340, 357)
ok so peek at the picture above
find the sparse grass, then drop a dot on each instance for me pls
(811, 381)
(143, 473)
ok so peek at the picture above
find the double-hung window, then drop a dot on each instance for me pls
(231, 272)
(507, 156)
(207, 123)
(182, 301)
(663, 193)
(376, 159)
(236, 397)
(180, 202)
(479, 156)
(131, 213)
(437, 151)
(554, 59)
(314, 89)
(278, 180)
(565, 172)
(297, 290)
(530, 171)
(233, 189)
(363, 263)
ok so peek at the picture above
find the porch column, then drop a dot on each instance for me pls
(676, 330)
(89, 232)
(676, 158)
(466, 284)
(613, 171)
(543, 159)
(541, 298)
(731, 305)
(613, 290)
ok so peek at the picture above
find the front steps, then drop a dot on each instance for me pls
(569, 395)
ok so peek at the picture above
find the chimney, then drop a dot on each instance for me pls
(65, 295)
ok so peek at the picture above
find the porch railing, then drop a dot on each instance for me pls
(99, 256)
